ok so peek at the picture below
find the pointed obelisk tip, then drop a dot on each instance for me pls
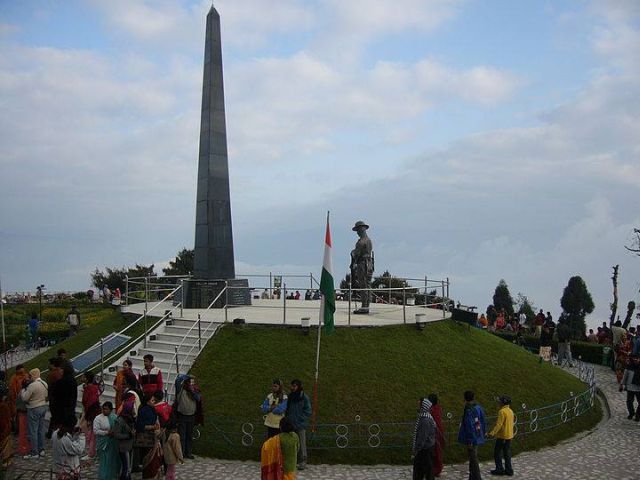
(213, 11)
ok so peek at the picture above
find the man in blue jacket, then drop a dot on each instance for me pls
(299, 412)
(472, 432)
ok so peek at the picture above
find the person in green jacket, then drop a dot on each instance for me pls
(289, 444)
(299, 412)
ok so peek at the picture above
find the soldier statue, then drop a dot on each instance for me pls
(362, 266)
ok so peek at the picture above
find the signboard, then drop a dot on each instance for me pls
(201, 293)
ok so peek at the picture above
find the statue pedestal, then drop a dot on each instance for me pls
(199, 293)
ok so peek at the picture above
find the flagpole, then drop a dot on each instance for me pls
(315, 385)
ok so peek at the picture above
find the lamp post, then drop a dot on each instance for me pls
(40, 288)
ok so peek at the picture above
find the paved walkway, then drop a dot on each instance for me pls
(609, 451)
(274, 312)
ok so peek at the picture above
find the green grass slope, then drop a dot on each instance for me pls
(377, 373)
(97, 321)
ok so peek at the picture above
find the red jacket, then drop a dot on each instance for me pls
(163, 409)
(150, 380)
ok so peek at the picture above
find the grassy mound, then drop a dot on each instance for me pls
(97, 321)
(378, 374)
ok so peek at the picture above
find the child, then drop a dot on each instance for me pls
(172, 451)
(123, 431)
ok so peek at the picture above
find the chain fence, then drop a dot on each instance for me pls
(360, 434)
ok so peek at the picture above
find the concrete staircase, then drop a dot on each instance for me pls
(173, 334)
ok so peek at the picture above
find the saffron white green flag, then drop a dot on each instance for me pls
(328, 301)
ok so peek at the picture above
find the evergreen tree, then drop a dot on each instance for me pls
(502, 298)
(115, 277)
(182, 264)
(576, 304)
(524, 305)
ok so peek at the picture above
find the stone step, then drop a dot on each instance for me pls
(175, 339)
(164, 355)
(165, 344)
(182, 331)
(183, 322)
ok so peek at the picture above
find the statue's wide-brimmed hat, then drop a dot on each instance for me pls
(359, 224)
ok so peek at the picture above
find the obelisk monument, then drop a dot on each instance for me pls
(214, 237)
(214, 266)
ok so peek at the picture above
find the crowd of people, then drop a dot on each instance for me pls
(428, 438)
(497, 320)
(626, 363)
(287, 418)
(142, 432)
(291, 295)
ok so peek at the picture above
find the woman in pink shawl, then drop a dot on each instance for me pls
(436, 413)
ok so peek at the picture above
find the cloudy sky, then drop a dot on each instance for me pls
(480, 139)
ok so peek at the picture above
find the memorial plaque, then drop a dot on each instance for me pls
(202, 293)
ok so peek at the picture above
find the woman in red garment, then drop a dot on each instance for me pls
(436, 413)
(91, 408)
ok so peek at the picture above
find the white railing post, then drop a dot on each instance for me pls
(443, 301)
(182, 297)
(102, 358)
(404, 305)
(284, 304)
(350, 293)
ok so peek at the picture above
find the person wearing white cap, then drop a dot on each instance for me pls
(424, 440)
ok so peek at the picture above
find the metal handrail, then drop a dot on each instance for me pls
(125, 346)
(144, 315)
(197, 323)
(160, 276)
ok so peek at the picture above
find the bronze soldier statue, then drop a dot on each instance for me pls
(362, 266)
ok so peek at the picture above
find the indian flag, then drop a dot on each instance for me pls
(328, 301)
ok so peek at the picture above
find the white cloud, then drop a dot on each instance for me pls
(350, 25)
(617, 38)
(245, 24)
(302, 99)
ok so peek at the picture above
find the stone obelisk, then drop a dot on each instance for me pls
(214, 266)
(214, 239)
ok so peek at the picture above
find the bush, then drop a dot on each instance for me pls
(587, 352)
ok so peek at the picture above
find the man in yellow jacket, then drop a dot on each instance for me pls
(503, 433)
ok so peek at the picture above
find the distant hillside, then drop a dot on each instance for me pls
(378, 374)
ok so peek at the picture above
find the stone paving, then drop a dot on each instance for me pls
(610, 451)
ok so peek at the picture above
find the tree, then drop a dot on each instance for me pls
(344, 284)
(631, 306)
(502, 298)
(614, 305)
(182, 264)
(635, 245)
(115, 277)
(386, 280)
(524, 305)
(576, 303)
